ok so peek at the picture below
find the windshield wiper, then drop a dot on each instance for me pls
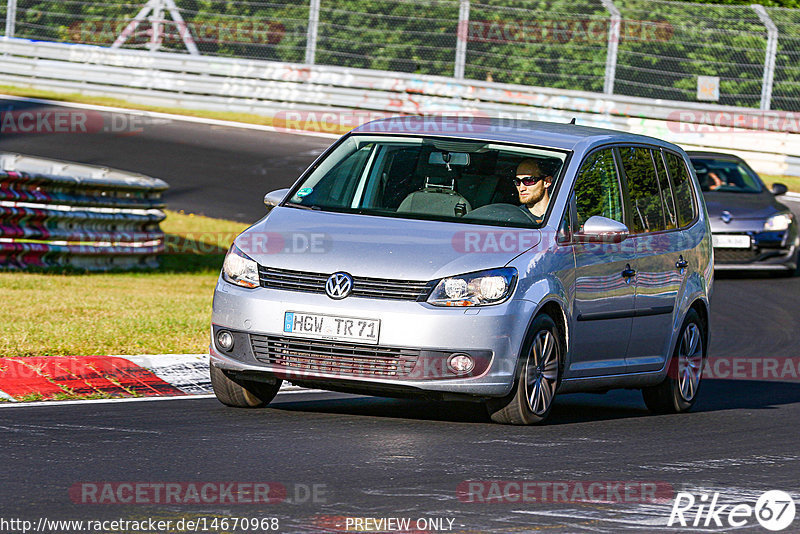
(302, 207)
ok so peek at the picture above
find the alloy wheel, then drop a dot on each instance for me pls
(690, 362)
(541, 373)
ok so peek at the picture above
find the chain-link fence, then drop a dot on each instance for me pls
(647, 48)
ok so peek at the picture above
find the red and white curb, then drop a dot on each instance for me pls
(142, 376)
(124, 376)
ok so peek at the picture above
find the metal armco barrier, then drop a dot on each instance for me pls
(59, 214)
(770, 141)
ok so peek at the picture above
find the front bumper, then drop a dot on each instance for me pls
(768, 251)
(493, 335)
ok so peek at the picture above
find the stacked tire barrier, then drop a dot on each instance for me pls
(58, 214)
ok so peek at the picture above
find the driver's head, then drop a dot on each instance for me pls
(532, 181)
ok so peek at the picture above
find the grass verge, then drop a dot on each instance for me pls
(163, 311)
(792, 182)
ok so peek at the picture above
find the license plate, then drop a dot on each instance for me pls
(333, 327)
(731, 241)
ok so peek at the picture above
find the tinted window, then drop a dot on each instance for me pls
(666, 191)
(683, 189)
(725, 175)
(597, 188)
(645, 195)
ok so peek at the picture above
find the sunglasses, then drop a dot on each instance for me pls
(530, 180)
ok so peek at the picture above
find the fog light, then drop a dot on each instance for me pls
(460, 363)
(224, 340)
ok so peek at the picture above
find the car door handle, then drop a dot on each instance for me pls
(681, 263)
(628, 272)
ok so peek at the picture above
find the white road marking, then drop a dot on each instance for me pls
(291, 390)
(170, 116)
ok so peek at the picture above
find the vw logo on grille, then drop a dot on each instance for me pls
(726, 217)
(339, 285)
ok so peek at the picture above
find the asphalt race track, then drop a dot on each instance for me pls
(342, 456)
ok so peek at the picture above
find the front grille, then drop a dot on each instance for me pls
(735, 255)
(332, 357)
(375, 288)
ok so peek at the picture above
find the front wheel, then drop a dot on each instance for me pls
(538, 377)
(242, 393)
(678, 391)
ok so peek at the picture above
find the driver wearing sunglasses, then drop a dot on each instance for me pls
(533, 187)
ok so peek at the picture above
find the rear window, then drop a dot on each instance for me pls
(643, 190)
(666, 191)
(685, 203)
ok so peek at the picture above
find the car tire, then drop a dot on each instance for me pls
(538, 377)
(678, 391)
(242, 393)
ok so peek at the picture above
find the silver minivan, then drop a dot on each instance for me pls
(500, 261)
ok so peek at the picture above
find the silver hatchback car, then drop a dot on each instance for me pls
(500, 261)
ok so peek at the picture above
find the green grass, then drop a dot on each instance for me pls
(792, 182)
(163, 311)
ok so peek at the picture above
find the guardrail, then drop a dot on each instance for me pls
(59, 214)
(770, 141)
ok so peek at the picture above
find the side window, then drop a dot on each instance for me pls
(645, 195)
(684, 195)
(597, 189)
(666, 191)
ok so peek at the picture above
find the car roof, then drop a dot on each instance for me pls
(539, 133)
(714, 155)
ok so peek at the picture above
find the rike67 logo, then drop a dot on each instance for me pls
(774, 510)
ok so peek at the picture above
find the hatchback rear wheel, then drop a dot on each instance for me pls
(678, 392)
(242, 393)
(537, 380)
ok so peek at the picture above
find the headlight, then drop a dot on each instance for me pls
(779, 222)
(475, 289)
(239, 269)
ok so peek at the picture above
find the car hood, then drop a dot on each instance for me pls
(379, 247)
(742, 205)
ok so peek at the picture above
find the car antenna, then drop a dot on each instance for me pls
(572, 121)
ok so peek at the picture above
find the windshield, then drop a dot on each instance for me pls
(722, 175)
(434, 179)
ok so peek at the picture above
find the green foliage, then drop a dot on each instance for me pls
(664, 45)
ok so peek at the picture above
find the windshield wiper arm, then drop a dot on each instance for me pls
(302, 207)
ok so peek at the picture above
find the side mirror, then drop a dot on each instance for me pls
(274, 198)
(599, 229)
(779, 189)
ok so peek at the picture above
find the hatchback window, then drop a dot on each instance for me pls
(643, 191)
(597, 189)
(478, 182)
(683, 189)
(666, 191)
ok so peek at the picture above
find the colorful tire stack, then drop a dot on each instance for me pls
(56, 214)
